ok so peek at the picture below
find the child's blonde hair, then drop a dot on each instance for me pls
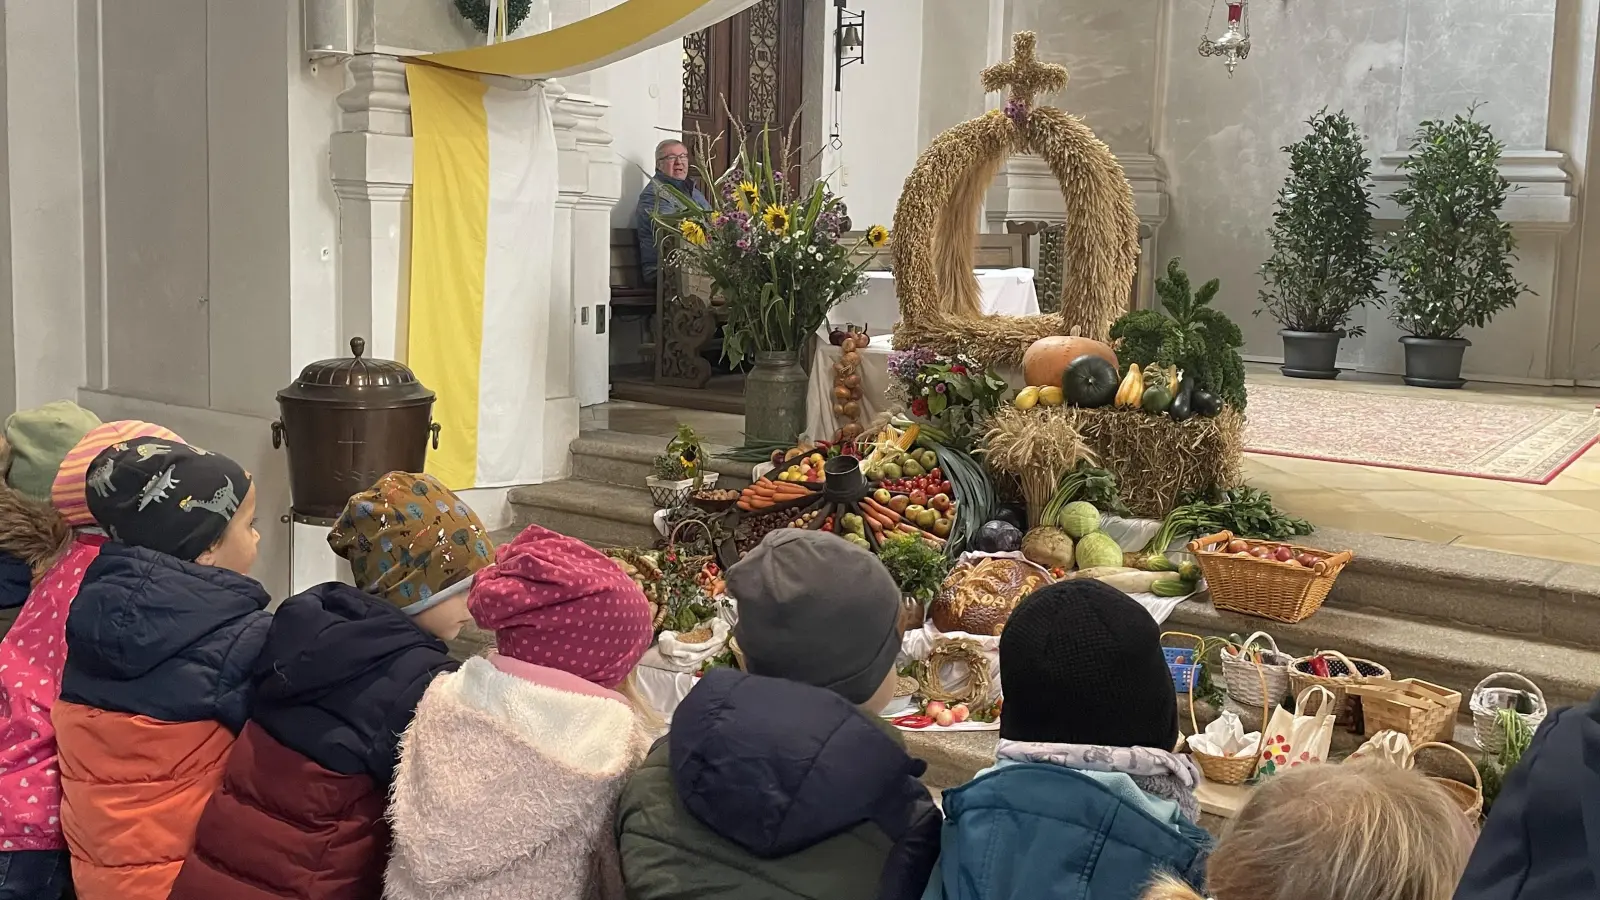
(649, 719)
(5, 458)
(1363, 831)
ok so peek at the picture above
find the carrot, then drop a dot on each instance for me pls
(884, 511)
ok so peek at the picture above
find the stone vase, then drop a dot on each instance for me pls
(775, 399)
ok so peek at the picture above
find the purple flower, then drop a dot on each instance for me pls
(1017, 111)
(939, 387)
(742, 243)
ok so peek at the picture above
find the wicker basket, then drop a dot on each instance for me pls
(673, 494)
(1469, 797)
(1255, 684)
(1231, 769)
(1344, 672)
(1487, 700)
(1281, 591)
(1424, 712)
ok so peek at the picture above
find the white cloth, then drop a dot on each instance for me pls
(1006, 292)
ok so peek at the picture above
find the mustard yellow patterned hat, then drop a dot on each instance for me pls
(409, 539)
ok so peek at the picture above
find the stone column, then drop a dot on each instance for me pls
(372, 174)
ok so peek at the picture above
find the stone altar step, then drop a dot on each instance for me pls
(612, 457)
(603, 515)
(1535, 599)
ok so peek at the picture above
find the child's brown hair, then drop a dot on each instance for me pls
(1363, 831)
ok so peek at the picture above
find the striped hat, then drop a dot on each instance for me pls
(68, 495)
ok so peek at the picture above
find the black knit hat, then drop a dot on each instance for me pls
(164, 495)
(1081, 663)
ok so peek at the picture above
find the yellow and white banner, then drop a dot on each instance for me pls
(482, 253)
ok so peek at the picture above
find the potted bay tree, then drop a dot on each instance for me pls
(1451, 260)
(1323, 265)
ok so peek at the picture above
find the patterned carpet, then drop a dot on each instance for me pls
(1526, 443)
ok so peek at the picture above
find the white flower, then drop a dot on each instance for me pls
(819, 257)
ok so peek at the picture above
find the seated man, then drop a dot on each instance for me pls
(782, 782)
(672, 167)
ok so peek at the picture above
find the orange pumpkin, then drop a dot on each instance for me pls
(1047, 359)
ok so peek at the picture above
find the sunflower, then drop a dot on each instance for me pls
(692, 232)
(877, 235)
(776, 219)
(749, 197)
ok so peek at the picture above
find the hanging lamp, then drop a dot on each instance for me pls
(1233, 45)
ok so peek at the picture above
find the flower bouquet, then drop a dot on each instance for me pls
(954, 394)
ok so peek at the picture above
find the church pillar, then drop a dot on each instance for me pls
(591, 250)
(561, 401)
(371, 165)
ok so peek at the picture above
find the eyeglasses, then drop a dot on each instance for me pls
(676, 157)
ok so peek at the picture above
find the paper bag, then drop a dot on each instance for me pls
(1299, 738)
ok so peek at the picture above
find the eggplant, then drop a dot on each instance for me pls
(1205, 403)
(1182, 405)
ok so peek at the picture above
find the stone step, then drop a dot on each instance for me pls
(1537, 599)
(603, 515)
(613, 457)
(1457, 657)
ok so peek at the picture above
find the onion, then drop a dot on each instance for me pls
(841, 393)
(850, 358)
(852, 409)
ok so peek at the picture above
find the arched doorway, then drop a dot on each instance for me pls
(753, 63)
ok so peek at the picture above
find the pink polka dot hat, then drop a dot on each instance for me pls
(557, 602)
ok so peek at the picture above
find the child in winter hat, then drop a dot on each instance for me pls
(33, 443)
(1085, 757)
(493, 743)
(161, 643)
(33, 654)
(414, 543)
(338, 682)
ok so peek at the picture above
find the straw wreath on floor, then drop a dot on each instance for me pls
(943, 198)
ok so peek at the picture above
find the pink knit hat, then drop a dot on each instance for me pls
(556, 602)
(68, 495)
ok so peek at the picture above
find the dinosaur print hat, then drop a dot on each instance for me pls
(165, 495)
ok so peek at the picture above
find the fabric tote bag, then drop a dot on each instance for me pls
(1301, 737)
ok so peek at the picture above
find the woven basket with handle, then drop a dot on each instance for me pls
(1229, 769)
(1281, 591)
(1255, 678)
(1469, 797)
(1488, 699)
(1343, 672)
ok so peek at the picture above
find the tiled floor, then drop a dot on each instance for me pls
(1560, 520)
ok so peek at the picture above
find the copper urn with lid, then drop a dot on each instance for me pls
(347, 423)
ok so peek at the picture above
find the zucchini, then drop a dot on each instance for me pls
(1171, 587)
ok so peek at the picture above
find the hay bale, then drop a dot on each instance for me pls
(1155, 460)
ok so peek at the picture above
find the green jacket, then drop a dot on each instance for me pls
(767, 799)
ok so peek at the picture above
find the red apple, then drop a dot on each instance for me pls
(945, 718)
(960, 712)
(1283, 554)
(918, 498)
(935, 707)
(1237, 546)
(941, 502)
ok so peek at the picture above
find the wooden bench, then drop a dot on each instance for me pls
(679, 310)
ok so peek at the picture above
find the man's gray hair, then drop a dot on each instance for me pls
(669, 142)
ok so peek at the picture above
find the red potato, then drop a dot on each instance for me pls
(1309, 560)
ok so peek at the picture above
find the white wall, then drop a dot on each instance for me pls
(46, 209)
(878, 111)
(646, 94)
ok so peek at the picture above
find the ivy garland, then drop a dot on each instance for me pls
(477, 12)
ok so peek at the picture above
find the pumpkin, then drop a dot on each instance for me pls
(1046, 359)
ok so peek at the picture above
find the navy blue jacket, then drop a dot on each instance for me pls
(151, 635)
(340, 678)
(1039, 831)
(772, 789)
(654, 201)
(1542, 839)
(16, 580)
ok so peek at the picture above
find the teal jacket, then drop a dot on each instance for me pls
(1039, 831)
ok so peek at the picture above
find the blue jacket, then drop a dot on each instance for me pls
(1542, 839)
(772, 790)
(1039, 831)
(652, 202)
(151, 635)
(340, 677)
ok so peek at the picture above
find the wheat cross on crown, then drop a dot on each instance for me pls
(1024, 73)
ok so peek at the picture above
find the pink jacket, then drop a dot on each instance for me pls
(31, 658)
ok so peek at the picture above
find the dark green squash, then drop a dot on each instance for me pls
(1205, 403)
(1090, 382)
